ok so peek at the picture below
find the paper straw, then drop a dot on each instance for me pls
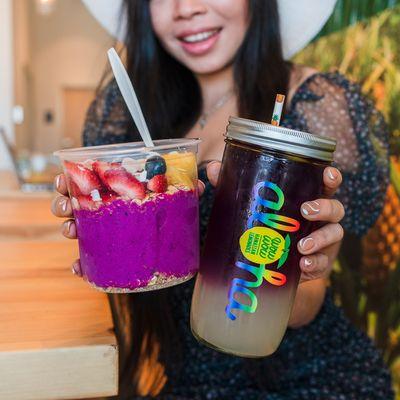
(277, 114)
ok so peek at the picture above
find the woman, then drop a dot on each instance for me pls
(194, 63)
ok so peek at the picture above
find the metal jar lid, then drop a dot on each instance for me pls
(281, 139)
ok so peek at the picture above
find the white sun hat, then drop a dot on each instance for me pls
(301, 20)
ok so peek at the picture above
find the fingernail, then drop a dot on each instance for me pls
(331, 175)
(311, 208)
(73, 270)
(307, 243)
(58, 181)
(213, 169)
(202, 184)
(307, 262)
(68, 226)
(64, 205)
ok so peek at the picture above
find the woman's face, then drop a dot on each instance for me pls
(204, 35)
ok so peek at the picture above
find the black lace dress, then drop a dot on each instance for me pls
(328, 359)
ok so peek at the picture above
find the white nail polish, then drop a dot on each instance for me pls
(69, 223)
(330, 174)
(64, 205)
(304, 241)
(316, 203)
(313, 206)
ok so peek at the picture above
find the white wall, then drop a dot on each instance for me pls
(6, 78)
(68, 50)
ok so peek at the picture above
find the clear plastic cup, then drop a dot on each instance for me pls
(136, 213)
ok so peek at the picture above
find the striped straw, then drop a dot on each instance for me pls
(277, 114)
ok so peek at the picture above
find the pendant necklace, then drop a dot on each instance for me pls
(221, 102)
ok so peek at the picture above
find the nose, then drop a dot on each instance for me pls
(186, 9)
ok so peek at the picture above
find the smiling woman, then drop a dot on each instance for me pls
(216, 32)
(184, 57)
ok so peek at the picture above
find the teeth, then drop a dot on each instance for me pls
(198, 37)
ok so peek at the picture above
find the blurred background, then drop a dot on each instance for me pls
(53, 55)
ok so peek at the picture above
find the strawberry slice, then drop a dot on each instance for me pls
(108, 197)
(86, 202)
(85, 179)
(100, 167)
(158, 184)
(73, 188)
(123, 183)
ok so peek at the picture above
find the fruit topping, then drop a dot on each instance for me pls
(88, 163)
(85, 179)
(133, 166)
(123, 183)
(158, 184)
(155, 165)
(108, 197)
(86, 202)
(73, 187)
(100, 167)
(141, 176)
(181, 169)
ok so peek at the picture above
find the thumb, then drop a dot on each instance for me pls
(213, 169)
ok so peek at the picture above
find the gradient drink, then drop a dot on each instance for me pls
(250, 268)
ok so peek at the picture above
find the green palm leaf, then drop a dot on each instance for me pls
(348, 12)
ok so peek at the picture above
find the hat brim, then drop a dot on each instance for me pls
(301, 20)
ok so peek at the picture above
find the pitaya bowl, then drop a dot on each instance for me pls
(136, 213)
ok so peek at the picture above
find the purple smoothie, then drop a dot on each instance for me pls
(127, 246)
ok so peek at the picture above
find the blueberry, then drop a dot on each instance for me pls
(155, 166)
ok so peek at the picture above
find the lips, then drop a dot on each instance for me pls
(199, 42)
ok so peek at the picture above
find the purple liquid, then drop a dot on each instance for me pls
(257, 333)
(126, 247)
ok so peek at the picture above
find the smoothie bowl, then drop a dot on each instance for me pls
(136, 213)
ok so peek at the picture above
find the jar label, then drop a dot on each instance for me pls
(262, 245)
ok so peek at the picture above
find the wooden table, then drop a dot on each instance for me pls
(56, 339)
(27, 216)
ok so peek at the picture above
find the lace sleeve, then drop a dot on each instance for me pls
(107, 120)
(330, 105)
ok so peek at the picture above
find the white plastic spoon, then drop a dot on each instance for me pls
(129, 95)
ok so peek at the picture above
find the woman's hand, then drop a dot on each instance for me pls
(61, 207)
(320, 248)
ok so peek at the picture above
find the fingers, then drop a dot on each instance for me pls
(314, 266)
(68, 229)
(60, 184)
(321, 238)
(61, 207)
(200, 187)
(332, 180)
(76, 268)
(213, 169)
(323, 210)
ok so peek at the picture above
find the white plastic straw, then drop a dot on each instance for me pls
(129, 95)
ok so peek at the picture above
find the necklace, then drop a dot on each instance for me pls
(221, 102)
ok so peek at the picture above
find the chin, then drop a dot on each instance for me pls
(205, 66)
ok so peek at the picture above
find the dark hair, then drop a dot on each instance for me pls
(171, 99)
